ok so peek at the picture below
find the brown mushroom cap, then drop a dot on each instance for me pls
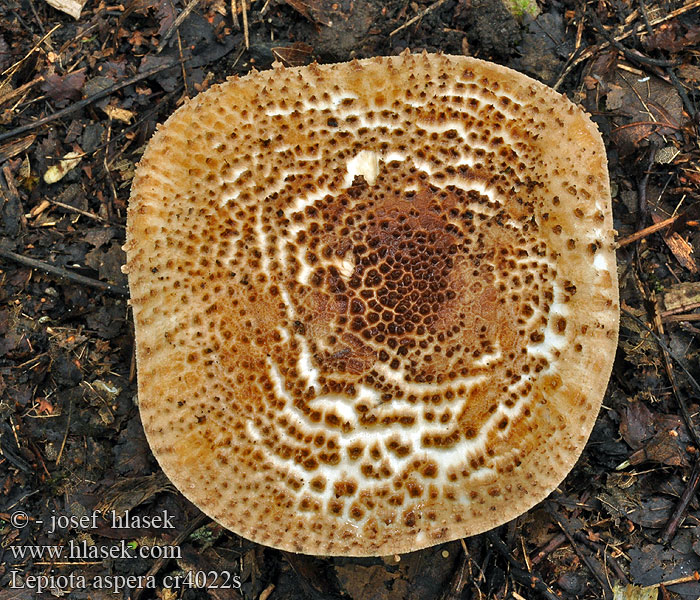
(375, 303)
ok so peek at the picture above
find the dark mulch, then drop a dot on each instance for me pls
(93, 89)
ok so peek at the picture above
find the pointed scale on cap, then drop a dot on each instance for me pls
(375, 303)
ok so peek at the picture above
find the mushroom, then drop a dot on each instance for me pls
(375, 303)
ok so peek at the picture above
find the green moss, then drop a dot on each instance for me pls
(521, 8)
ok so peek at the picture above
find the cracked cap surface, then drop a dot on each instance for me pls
(375, 303)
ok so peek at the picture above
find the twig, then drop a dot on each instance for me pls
(315, 581)
(459, 577)
(18, 91)
(519, 574)
(8, 453)
(684, 318)
(671, 74)
(671, 15)
(574, 59)
(36, 16)
(10, 185)
(663, 344)
(176, 24)
(158, 104)
(681, 92)
(678, 514)
(642, 60)
(267, 592)
(642, 233)
(645, 18)
(9, 194)
(246, 35)
(686, 579)
(13, 68)
(654, 124)
(64, 273)
(419, 16)
(605, 586)
(59, 114)
(263, 10)
(65, 435)
(672, 378)
(635, 57)
(676, 517)
(182, 64)
(234, 15)
(161, 562)
(680, 309)
(107, 206)
(642, 185)
(577, 51)
(679, 511)
(556, 541)
(85, 213)
(581, 537)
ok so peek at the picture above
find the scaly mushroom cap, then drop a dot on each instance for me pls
(375, 303)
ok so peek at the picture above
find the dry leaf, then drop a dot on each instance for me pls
(635, 592)
(64, 87)
(296, 55)
(314, 10)
(44, 407)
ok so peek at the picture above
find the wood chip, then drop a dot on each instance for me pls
(58, 171)
(70, 7)
(682, 297)
(681, 249)
(15, 147)
(119, 114)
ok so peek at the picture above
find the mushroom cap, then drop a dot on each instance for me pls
(375, 303)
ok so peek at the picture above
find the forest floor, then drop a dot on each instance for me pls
(80, 97)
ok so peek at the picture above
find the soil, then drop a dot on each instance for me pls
(79, 98)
